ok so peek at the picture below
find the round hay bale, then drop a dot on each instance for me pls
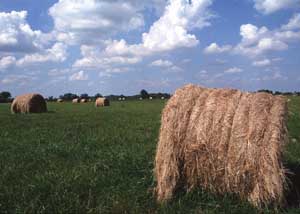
(76, 100)
(29, 103)
(83, 101)
(150, 98)
(101, 102)
(60, 100)
(224, 141)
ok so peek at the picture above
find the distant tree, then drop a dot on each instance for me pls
(144, 94)
(68, 96)
(277, 93)
(51, 98)
(98, 95)
(266, 91)
(84, 96)
(5, 96)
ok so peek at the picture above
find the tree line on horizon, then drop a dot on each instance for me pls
(5, 96)
(143, 94)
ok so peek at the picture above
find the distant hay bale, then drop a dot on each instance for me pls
(224, 141)
(83, 100)
(77, 100)
(123, 98)
(101, 102)
(162, 98)
(60, 100)
(150, 98)
(29, 103)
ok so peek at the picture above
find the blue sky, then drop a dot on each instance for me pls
(122, 46)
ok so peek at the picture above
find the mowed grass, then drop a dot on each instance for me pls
(79, 159)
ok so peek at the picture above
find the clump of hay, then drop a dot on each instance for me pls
(76, 100)
(29, 103)
(60, 100)
(83, 101)
(222, 140)
(101, 102)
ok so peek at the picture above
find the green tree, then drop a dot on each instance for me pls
(98, 95)
(144, 94)
(5, 95)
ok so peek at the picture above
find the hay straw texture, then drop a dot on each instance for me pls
(101, 102)
(83, 100)
(29, 103)
(76, 100)
(224, 141)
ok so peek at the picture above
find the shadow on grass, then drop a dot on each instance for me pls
(293, 194)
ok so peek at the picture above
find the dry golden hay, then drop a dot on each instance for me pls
(224, 141)
(76, 100)
(60, 100)
(101, 102)
(29, 103)
(83, 101)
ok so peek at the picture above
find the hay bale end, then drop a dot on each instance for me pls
(29, 103)
(101, 102)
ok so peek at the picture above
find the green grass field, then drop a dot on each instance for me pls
(79, 159)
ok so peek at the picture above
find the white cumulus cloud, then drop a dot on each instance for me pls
(169, 32)
(271, 6)
(233, 70)
(293, 24)
(262, 63)
(162, 63)
(57, 53)
(214, 48)
(257, 41)
(6, 62)
(79, 76)
(16, 34)
(90, 21)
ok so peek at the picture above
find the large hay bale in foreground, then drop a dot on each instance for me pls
(224, 141)
(76, 100)
(101, 102)
(29, 103)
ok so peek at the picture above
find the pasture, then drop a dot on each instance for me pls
(80, 159)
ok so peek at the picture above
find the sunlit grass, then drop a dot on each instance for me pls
(79, 159)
